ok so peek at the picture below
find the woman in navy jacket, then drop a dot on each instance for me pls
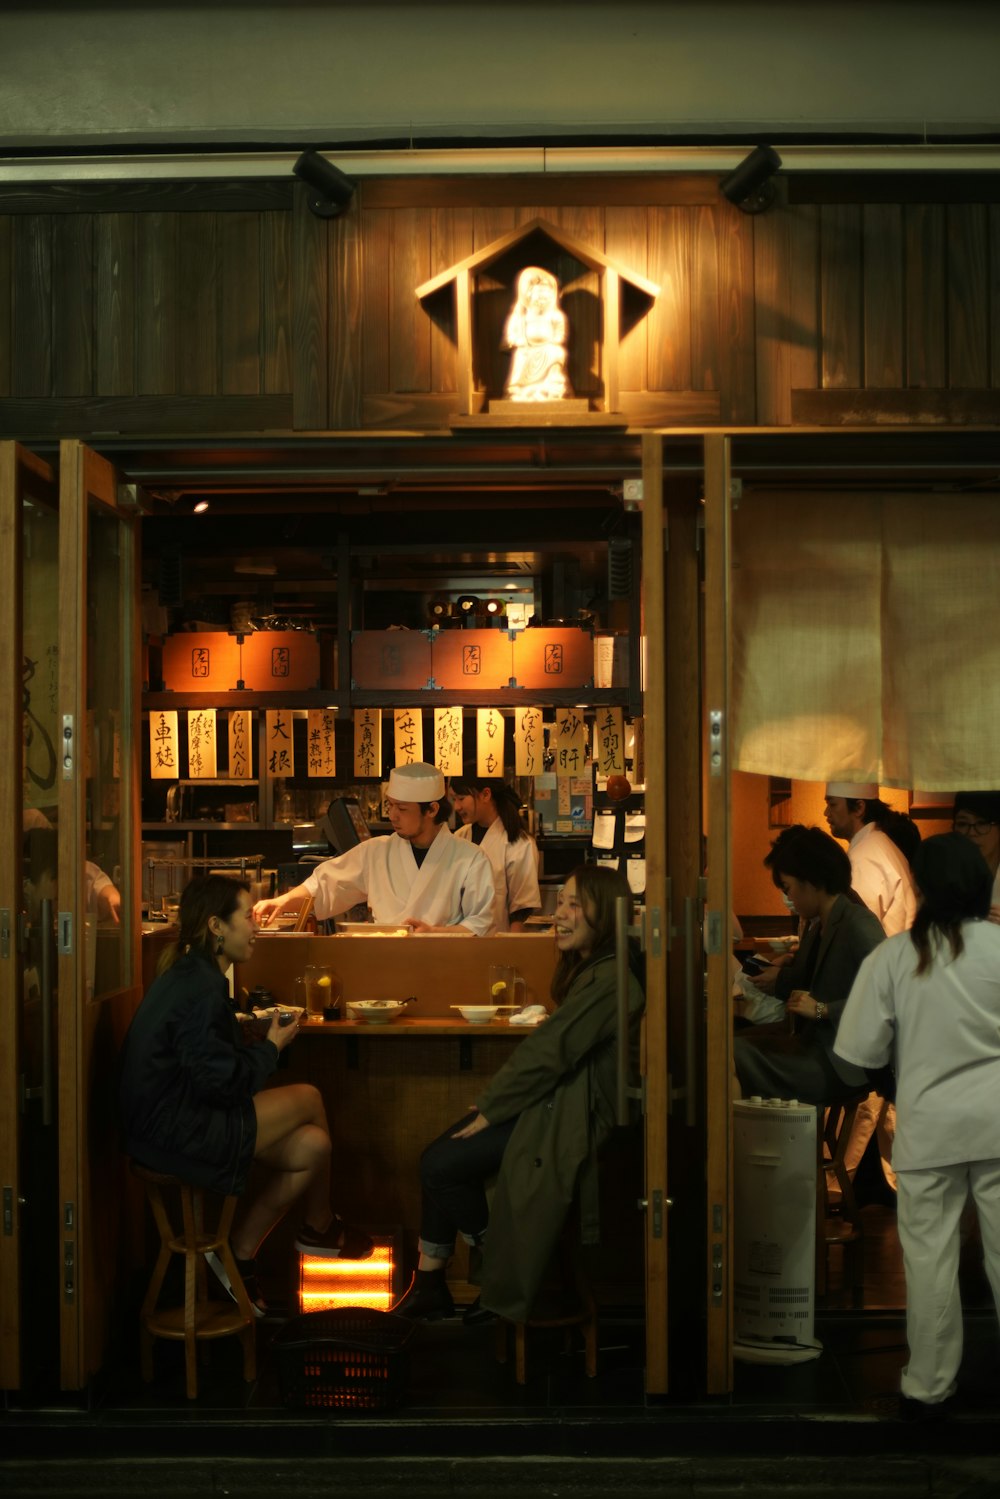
(190, 1093)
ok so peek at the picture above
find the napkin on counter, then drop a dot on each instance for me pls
(530, 1015)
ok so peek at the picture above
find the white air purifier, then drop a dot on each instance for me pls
(774, 1271)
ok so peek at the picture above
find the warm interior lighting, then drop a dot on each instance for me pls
(200, 507)
(325, 1282)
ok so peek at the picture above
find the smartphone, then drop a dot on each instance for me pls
(285, 1017)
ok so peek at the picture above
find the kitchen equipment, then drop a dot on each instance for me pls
(378, 1011)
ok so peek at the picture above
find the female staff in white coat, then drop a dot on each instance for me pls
(492, 809)
(929, 1000)
(421, 876)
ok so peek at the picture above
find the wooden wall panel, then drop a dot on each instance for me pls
(669, 321)
(968, 296)
(310, 355)
(73, 304)
(31, 292)
(737, 318)
(409, 325)
(276, 302)
(786, 271)
(626, 232)
(6, 299)
(994, 234)
(198, 274)
(376, 229)
(926, 280)
(580, 297)
(156, 304)
(705, 341)
(882, 251)
(114, 304)
(240, 303)
(840, 296)
(346, 411)
(451, 240)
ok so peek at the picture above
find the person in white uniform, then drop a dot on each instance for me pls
(977, 816)
(881, 875)
(421, 876)
(491, 816)
(929, 1002)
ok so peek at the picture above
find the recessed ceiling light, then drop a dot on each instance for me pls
(201, 507)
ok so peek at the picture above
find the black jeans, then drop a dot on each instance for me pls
(452, 1175)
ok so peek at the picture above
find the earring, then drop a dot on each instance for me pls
(219, 945)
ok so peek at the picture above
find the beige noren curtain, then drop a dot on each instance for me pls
(864, 639)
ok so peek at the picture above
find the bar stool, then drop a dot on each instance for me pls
(580, 1311)
(843, 1231)
(199, 1318)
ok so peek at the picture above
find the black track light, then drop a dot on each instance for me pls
(331, 190)
(751, 185)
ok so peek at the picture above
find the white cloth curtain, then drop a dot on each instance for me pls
(864, 647)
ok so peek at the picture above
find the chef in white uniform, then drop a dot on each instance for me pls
(941, 1029)
(881, 876)
(490, 809)
(421, 876)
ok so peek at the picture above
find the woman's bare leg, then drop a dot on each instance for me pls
(293, 1143)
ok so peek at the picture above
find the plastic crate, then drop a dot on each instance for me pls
(347, 1358)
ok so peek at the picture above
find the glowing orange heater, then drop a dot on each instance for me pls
(325, 1282)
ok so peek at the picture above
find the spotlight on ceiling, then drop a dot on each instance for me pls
(331, 190)
(751, 185)
(199, 507)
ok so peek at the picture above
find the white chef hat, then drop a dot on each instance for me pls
(853, 790)
(418, 782)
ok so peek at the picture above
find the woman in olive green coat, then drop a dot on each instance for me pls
(538, 1125)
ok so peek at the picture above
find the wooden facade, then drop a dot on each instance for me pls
(191, 309)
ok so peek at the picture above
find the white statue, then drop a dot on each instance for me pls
(536, 329)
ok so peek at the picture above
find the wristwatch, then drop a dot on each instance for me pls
(820, 1010)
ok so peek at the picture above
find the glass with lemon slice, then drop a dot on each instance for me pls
(322, 990)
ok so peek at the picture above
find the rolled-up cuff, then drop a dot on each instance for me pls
(435, 1251)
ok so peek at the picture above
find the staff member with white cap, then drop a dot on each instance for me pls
(421, 876)
(879, 871)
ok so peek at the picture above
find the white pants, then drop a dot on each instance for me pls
(929, 1209)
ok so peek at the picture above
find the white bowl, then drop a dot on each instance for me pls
(477, 1014)
(780, 944)
(376, 1011)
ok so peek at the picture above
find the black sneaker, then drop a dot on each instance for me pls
(340, 1241)
(478, 1315)
(248, 1275)
(428, 1299)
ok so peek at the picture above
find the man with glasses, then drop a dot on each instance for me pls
(977, 817)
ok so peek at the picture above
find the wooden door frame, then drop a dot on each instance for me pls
(719, 1016)
(85, 476)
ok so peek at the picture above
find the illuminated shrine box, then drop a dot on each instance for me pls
(201, 661)
(280, 661)
(472, 659)
(553, 658)
(391, 658)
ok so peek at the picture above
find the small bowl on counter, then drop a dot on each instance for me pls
(478, 1014)
(257, 1023)
(377, 1011)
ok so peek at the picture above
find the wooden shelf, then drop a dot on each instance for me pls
(385, 697)
(413, 1028)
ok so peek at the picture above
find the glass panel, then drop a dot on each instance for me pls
(109, 910)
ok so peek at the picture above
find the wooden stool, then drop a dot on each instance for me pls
(584, 1316)
(199, 1318)
(843, 1231)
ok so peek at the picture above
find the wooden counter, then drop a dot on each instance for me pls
(412, 1026)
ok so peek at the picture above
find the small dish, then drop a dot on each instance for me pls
(477, 1014)
(781, 944)
(376, 1011)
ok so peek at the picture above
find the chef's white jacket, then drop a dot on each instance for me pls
(515, 871)
(881, 876)
(941, 1031)
(452, 887)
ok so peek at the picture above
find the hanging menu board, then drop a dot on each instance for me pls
(568, 740)
(367, 742)
(448, 741)
(164, 759)
(202, 759)
(529, 741)
(609, 741)
(321, 756)
(279, 746)
(240, 744)
(409, 727)
(489, 741)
